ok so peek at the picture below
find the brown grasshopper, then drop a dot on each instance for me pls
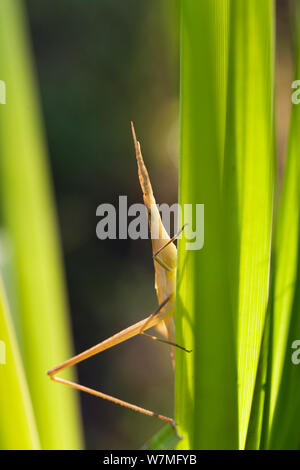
(165, 263)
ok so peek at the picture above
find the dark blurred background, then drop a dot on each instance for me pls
(100, 64)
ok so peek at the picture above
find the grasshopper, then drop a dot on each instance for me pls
(165, 262)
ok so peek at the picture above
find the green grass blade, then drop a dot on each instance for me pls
(249, 161)
(286, 246)
(284, 403)
(284, 433)
(29, 218)
(165, 439)
(256, 428)
(205, 380)
(18, 428)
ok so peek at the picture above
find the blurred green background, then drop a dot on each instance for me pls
(99, 65)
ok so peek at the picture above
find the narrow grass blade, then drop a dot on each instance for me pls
(256, 428)
(205, 388)
(284, 433)
(284, 403)
(248, 182)
(29, 219)
(287, 228)
(18, 427)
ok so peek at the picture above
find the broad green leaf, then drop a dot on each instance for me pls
(248, 183)
(205, 388)
(29, 218)
(18, 428)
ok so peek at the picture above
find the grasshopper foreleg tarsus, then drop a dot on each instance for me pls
(161, 340)
(169, 241)
(163, 303)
